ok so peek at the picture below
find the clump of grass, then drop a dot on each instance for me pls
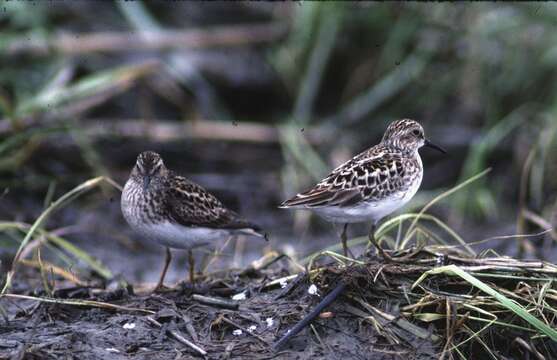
(36, 230)
(471, 300)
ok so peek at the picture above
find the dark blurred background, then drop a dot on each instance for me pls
(258, 100)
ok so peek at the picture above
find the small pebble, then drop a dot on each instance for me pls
(129, 326)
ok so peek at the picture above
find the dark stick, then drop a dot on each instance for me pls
(217, 302)
(327, 300)
(176, 335)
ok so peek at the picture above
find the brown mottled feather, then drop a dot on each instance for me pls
(372, 175)
(190, 204)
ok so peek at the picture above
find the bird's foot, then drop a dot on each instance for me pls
(161, 288)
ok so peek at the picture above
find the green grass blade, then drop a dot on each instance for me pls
(82, 255)
(503, 300)
(444, 195)
(58, 204)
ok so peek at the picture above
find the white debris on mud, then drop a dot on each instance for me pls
(240, 296)
(129, 326)
(312, 290)
(269, 322)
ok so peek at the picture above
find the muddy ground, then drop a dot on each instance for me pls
(239, 314)
(237, 329)
(39, 330)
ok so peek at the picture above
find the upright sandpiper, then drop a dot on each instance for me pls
(175, 212)
(372, 184)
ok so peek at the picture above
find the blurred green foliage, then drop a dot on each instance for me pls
(478, 75)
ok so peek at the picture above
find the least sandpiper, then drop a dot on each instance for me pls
(175, 212)
(372, 184)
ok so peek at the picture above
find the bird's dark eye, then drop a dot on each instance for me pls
(416, 132)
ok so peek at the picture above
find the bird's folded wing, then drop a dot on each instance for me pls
(191, 205)
(360, 179)
(321, 197)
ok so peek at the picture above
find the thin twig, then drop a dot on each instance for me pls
(189, 327)
(78, 302)
(218, 302)
(540, 221)
(218, 36)
(177, 336)
(327, 300)
(163, 130)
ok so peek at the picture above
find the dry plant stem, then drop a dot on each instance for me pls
(62, 201)
(372, 240)
(520, 223)
(217, 302)
(387, 318)
(216, 254)
(177, 336)
(79, 302)
(541, 222)
(218, 36)
(189, 327)
(327, 300)
(163, 130)
(441, 196)
(54, 270)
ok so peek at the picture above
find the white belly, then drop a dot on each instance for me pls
(369, 211)
(178, 236)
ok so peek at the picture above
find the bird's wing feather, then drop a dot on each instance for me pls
(190, 204)
(366, 177)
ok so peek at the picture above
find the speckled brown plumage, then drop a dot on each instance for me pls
(373, 175)
(190, 205)
(169, 197)
(174, 211)
(373, 183)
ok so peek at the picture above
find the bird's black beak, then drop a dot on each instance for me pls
(146, 182)
(433, 146)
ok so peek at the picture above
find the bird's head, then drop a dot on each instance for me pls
(407, 135)
(149, 168)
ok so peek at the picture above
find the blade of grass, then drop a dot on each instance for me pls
(54, 270)
(82, 255)
(78, 302)
(58, 204)
(385, 228)
(61, 243)
(387, 87)
(482, 199)
(302, 151)
(444, 195)
(329, 24)
(121, 77)
(453, 270)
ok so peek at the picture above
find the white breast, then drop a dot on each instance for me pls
(178, 236)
